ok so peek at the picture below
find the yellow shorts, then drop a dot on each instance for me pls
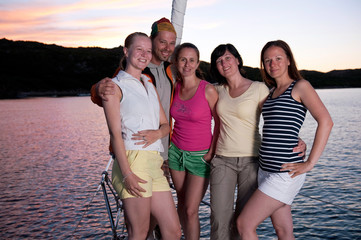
(147, 166)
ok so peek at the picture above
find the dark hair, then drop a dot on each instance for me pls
(218, 52)
(128, 43)
(199, 73)
(152, 37)
(293, 72)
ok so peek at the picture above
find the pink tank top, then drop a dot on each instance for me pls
(192, 120)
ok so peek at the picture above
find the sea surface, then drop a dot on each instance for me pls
(53, 151)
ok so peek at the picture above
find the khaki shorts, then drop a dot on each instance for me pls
(192, 161)
(147, 166)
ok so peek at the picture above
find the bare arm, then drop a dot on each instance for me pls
(212, 98)
(101, 90)
(112, 115)
(304, 92)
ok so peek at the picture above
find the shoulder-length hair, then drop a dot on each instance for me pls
(199, 72)
(293, 72)
(218, 52)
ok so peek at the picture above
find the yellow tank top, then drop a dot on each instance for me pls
(239, 119)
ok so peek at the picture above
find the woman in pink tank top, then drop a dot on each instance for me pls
(192, 144)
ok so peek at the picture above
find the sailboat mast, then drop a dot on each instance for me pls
(178, 12)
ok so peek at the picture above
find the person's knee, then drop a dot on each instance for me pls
(177, 233)
(243, 227)
(138, 232)
(191, 213)
(284, 233)
(169, 232)
(240, 225)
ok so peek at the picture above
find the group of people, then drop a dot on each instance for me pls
(149, 93)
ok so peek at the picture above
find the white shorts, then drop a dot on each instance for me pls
(280, 186)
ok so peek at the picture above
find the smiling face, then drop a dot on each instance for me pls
(227, 64)
(139, 53)
(187, 62)
(163, 46)
(276, 62)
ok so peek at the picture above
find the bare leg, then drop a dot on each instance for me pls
(282, 223)
(153, 229)
(190, 191)
(137, 211)
(257, 209)
(178, 178)
(153, 223)
(164, 211)
(195, 189)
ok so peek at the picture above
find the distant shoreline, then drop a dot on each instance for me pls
(59, 71)
(30, 94)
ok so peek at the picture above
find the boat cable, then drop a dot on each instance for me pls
(329, 203)
(91, 200)
(306, 196)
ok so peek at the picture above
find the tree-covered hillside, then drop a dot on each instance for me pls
(37, 69)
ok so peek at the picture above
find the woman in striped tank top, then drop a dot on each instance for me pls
(282, 173)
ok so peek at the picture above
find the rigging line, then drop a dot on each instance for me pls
(86, 210)
(317, 199)
(91, 200)
(333, 204)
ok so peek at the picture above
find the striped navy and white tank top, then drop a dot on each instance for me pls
(283, 117)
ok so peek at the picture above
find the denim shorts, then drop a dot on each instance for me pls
(190, 161)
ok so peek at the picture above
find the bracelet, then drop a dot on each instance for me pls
(127, 176)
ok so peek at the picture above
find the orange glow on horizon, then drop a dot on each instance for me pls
(72, 25)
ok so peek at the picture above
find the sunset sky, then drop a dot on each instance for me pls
(323, 34)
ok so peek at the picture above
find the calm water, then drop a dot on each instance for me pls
(53, 151)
